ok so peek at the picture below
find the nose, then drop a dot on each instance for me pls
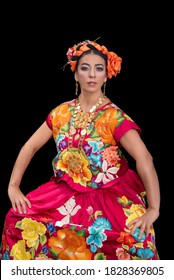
(92, 73)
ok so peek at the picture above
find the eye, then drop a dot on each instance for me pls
(100, 69)
(84, 68)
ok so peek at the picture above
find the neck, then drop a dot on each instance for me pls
(86, 102)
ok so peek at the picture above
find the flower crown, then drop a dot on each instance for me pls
(113, 60)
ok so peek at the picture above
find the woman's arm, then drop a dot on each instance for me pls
(34, 143)
(134, 145)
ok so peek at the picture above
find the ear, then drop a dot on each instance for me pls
(75, 77)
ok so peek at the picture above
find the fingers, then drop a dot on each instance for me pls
(14, 206)
(28, 202)
(21, 205)
(140, 224)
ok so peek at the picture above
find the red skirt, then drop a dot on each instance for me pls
(70, 222)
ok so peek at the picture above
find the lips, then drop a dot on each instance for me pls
(92, 84)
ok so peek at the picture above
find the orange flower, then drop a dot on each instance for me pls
(113, 63)
(105, 126)
(122, 255)
(126, 238)
(111, 155)
(69, 245)
(60, 116)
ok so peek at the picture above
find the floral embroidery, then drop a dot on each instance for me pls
(131, 243)
(97, 235)
(69, 209)
(68, 245)
(33, 234)
(107, 174)
(100, 158)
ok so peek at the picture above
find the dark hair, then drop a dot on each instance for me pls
(92, 50)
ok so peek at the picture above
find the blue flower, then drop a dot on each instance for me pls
(136, 233)
(132, 250)
(51, 228)
(96, 146)
(95, 238)
(95, 159)
(102, 223)
(6, 256)
(145, 254)
(44, 250)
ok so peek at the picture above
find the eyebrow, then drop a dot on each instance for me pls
(98, 64)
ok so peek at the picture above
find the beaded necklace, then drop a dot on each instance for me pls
(79, 126)
(81, 121)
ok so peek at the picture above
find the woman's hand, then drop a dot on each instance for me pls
(18, 200)
(145, 222)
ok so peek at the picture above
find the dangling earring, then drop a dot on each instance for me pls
(104, 88)
(76, 93)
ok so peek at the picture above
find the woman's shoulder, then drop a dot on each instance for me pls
(110, 105)
(112, 109)
(71, 102)
(64, 105)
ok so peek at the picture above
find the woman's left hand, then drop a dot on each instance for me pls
(145, 222)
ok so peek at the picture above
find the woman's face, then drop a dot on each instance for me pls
(91, 72)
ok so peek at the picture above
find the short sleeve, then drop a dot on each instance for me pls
(48, 121)
(125, 123)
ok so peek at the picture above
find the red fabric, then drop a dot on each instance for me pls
(47, 198)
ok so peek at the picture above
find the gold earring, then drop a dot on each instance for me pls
(76, 93)
(104, 88)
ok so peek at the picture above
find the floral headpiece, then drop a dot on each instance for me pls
(113, 60)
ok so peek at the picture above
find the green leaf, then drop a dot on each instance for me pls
(32, 252)
(54, 254)
(127, 212)
(151, 245)
(43, 239)
(65, 127)
(100, 256)
(139, 245)
(36, 244)
(73, 228)
(125, 247)
(136, 258)
(18, 224)
(81, 232)
(97, 213)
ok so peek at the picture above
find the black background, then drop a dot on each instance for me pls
(34, 49)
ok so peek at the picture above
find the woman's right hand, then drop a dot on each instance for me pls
(18, 200)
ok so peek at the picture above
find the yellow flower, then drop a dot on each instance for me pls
(124, 200)
(76, 165)
(19, 251)
(31, 231)
(137, 211)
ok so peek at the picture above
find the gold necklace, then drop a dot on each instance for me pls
(81, 120)
(79, 125)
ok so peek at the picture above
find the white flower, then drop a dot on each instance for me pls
(106, 176)
(68, 209)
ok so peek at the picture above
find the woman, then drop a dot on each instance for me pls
(94, 206)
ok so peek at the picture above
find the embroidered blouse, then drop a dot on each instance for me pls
(95, 158)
